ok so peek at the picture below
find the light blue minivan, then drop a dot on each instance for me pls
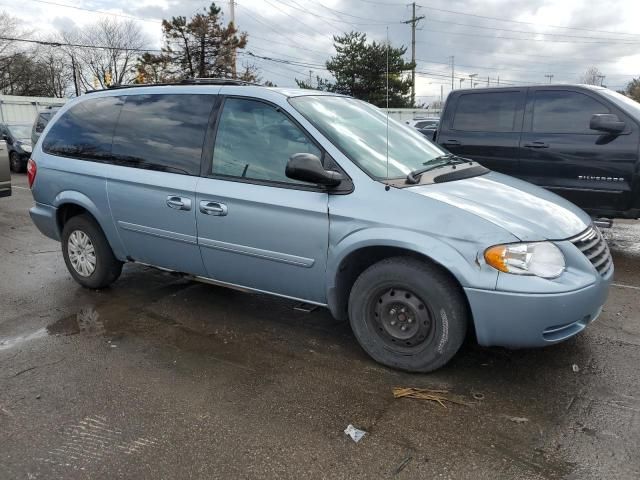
(319, 198)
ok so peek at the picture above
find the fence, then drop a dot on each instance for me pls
(16, 109)
(405, 114)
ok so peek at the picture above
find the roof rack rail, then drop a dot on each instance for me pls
(186, 81)
(215, 81)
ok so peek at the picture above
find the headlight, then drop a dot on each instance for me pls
(25, 147)
(542, 259)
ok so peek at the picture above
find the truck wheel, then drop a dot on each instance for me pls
(408, 314)
(87, 253)
(15, 163)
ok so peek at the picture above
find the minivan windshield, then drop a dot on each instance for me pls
(359, 130)
(21, 132)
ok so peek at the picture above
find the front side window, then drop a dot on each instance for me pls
(486, 112)
(556, 111)
(382, 147)
(85, 130)
(255, 140)
(162, 132)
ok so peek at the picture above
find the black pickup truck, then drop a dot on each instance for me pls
(580, 141)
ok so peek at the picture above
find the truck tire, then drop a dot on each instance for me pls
(87, 253)
(408, 314)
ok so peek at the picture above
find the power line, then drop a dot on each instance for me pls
(77, 45)
(530, 32)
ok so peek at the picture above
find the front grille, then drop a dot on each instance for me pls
(595, 248)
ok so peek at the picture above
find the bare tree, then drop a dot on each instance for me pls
(106, 52)
(593, 76)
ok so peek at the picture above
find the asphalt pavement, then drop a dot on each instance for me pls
(158, 377)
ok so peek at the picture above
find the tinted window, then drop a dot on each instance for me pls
(162, 132)
(85, 130)
(486, 112)
(255, 140)
(564, 112)
(427, 123)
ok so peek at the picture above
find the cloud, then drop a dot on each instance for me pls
(520, 51)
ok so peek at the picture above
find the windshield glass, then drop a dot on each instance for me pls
(20, 131)
(625, 103)
(359, 130)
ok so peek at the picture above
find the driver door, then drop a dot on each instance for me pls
(256, 227)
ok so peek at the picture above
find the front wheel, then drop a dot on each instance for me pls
(408, 314)
(87, 253)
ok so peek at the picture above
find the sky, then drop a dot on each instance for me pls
(510, 42)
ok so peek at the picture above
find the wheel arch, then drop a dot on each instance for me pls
(345, 267)
(71, 203)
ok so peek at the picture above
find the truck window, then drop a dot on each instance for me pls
(85, 130)
(557, 111)
(486, 112)
(162, 132)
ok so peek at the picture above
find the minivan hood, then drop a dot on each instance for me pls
(529, 212)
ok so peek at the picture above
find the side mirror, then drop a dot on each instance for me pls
(306, 167)
(606, 122)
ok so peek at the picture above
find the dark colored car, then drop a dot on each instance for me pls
(18, 139)
(40, 122)
(579, 141)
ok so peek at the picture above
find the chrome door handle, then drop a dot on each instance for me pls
(213, 208)
(179, 203)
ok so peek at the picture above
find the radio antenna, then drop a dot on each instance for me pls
(387, 95)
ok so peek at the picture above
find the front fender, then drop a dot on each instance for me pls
(456, 256)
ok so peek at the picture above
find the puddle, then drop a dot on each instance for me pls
(10, 342)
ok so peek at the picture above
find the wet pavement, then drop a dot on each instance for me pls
(158, 377)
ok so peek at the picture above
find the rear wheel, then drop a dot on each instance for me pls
(87, 253)
(408, 314)
(15, 163)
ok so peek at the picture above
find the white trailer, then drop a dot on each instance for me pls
(23, 110)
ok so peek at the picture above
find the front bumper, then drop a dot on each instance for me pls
(44, 217)
(521, 320)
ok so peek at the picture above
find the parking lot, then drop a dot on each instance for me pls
(159, 377)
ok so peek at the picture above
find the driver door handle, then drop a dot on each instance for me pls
(451, 143)
(213, 208)
(536, 145)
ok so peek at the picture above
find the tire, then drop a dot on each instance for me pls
(107, 267)
(430, 329)
(15, 163)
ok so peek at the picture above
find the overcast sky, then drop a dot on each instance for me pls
(516, 41)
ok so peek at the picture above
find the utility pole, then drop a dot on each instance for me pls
(461, 80)
(471, 75)
(601, 77)
(310, 78)
(232, 14)
(549, 76)
(413, 22)
(441, 94)
(498, 80)
(452, 71)
(487, 81)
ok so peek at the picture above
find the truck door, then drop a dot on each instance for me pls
(559, 151)
(485, 126)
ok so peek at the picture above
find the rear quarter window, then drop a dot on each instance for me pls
(486, 112)
(85, 130)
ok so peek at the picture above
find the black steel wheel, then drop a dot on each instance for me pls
(408, 314)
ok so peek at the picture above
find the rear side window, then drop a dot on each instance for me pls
(162, 132)
(486, 112)
(85, 130)
(556, 111)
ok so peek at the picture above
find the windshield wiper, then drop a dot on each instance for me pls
(448, 159)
